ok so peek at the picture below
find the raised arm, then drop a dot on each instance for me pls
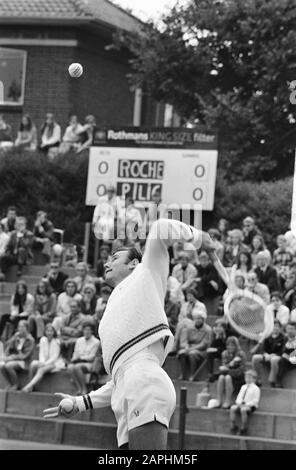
(163, 233)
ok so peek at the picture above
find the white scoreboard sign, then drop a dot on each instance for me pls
(181, 175)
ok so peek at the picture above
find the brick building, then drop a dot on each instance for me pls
(39, 39)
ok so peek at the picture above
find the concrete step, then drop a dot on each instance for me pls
(103, 435)
(272, 399)
(261, 424)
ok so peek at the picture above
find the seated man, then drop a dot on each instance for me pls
(288, 359)
(18, 355)
(82, 277)
(85, 351)
(43, 235)
(269, 352)
(184, 271)
(10, 220)
(56, 278)
(279, 311)
(266, 274)
(254, 286)
(18, 250)
(194, 342)
(71, 329)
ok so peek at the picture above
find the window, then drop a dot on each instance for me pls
(12, 76)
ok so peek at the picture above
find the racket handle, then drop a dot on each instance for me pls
(220, 268)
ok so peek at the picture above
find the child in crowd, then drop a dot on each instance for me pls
(247, 402)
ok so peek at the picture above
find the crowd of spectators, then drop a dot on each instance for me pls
(49, 139)
(63, 314)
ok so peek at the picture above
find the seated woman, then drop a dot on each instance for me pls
(72, 136)
(89, 300)
(232, 370)
(44, 309)
(64, 299)
(243, 264)
(27, 135)
(21, 307)
(49, 358)
(218, 345)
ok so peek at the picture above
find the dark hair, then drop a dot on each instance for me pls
(276, 321)
(291, 323)
(11, 208)
(215, 233)
(55, 335)
(30, 124)
(132, 253)
(89, 324)
(2, 226)
(48, 290)
(193, 292)
(20, 299)
(249, 259)
(276, 293)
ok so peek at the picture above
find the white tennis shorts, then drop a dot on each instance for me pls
(143, 393)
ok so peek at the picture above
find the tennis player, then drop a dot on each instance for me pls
(136, 339)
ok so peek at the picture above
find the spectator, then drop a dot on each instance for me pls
(282, 256)
(239, 281)
(193, 306)
(209, 286)
(194, 342)
(156, 209)
(107, 212)
(223, 229)
(257, 246)
(231, 371)
(243, 264)
(4, 239)
(174, 288)
(131, 220)
(56, 278)
(217, 346)
(64, 300)
(184, 271)
(87, 133)
(280, 311)
(104, 257)
(85, 352)
(89, 299)
(234, 248)
(49, 358)
(9, 221)
(291, 241)
(44, 309)
(72, 136)
(27, 135)
(18, 355)
(176, 250)
(5, 134)
(266, 274)
(172, 310)
(246, 402)
(71, 329)
(290, 289)
(101, 304)
(21, 306)
(260, 289)
(288, 358)
(269, 352)
(43, 234)
(50, 134)
(216, 236)
(82, 277)
(18, 250)
(249, 231)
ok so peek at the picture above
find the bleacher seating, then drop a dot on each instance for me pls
(270, 428)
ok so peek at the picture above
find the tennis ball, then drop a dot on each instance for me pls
(75, 70)
(67, 405)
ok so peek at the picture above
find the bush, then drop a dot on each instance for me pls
(31, 183)
(268, 202)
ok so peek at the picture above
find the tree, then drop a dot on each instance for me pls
(227, 65)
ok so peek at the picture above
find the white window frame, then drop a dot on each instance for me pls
(23, 85)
